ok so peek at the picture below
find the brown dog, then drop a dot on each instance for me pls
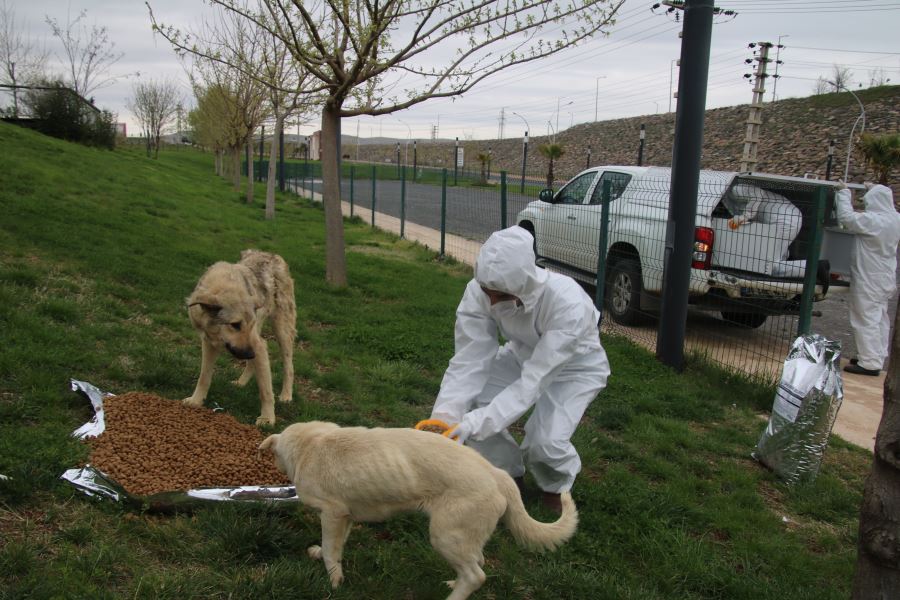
(229, 307)
(359, 474)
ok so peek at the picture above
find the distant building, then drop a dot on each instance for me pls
(315, 145)
(121, 130)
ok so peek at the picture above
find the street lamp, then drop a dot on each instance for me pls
(861, 117)
(557, 113)
(524, 151)
(597, 96)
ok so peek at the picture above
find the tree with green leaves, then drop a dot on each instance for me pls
(376, 58)
(551, 152)
(881, 153)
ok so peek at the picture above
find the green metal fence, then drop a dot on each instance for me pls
(755, 277)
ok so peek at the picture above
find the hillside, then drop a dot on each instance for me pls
(793, 141)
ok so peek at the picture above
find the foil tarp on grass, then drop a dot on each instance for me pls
(93, 482)
(806, 405)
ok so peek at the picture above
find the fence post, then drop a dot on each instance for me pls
(502, 199)
(402, 199)
(443, 209)
(601, 249)
(374, 173)
(812, 263)
(352, 168)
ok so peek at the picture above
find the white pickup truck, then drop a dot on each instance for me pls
(746, 272)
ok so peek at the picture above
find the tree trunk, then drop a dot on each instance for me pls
(218, 164)
(273, 165)
(878, 558)
(250, 186)
(236, 167)
(335, 260)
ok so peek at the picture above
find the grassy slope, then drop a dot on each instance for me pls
(98, 251)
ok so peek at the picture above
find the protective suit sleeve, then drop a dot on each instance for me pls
(857, 222)
(476, 344)
(557, 346)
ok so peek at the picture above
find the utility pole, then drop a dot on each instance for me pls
(754, 120)
(588, 165)
(672, 93)
(597, 96)
(778, 62)
(502, 122)
(682, 246)
(830, 160)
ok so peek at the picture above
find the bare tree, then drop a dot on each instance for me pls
(286, 84)
(878, 557)
(821, 86)
(22, 61)
(841, 78)
(89, 53)
(878, 77)
(239, 91)
(208, 122)
(154, 104)
(378, 58)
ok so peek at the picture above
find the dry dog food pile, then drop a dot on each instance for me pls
(154, 445)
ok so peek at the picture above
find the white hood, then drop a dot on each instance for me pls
(506, 264)
(879, 199)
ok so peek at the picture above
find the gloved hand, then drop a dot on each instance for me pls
(841, 185)
(869, 185)
(459, 432)
(736, 221)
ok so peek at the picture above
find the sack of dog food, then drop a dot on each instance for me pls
(806, 405)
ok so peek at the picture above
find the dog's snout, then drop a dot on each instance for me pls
(242, 353)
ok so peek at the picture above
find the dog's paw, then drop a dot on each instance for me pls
(315, 552)
(336, 576)
(265, 420)
(193, 402)
(451, 584)
(285, 398)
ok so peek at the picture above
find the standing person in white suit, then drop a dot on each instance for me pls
(873, 273)
(552, 361)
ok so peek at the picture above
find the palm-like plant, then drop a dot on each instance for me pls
(881, 153)
(485, 159)
(552, 152)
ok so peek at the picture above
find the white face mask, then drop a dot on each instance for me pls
(505, 309)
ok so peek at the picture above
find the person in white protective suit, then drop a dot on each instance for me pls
(552, 360)
(873, 273)
(764, 206)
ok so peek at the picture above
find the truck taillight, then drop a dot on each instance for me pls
(703, 248)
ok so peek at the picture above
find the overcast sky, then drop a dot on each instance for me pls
(628, 73)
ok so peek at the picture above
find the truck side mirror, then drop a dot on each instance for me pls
(546, 195)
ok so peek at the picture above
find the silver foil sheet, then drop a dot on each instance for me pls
(804, 410)
(93, 482)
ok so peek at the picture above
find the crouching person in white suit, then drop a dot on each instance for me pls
(552, 361)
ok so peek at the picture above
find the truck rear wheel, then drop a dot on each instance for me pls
(623, 291)
(748, 320)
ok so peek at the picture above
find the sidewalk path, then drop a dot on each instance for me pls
(860, 412)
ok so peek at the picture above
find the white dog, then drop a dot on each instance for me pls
(359, 474)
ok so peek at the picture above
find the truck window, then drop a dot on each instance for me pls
(618, 183)
(576, 190)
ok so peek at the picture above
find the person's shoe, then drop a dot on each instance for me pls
(854, 361)
(552, 501)
(858, 370)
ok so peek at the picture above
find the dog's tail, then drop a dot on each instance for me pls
(527, 531)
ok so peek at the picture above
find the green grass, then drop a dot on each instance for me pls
(98, 251)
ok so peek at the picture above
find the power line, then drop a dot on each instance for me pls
(839, 50)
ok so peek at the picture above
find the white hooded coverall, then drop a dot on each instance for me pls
(552, 361)
(873, 270)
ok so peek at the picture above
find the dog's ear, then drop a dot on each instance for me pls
(207, 303)
(269, 443)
